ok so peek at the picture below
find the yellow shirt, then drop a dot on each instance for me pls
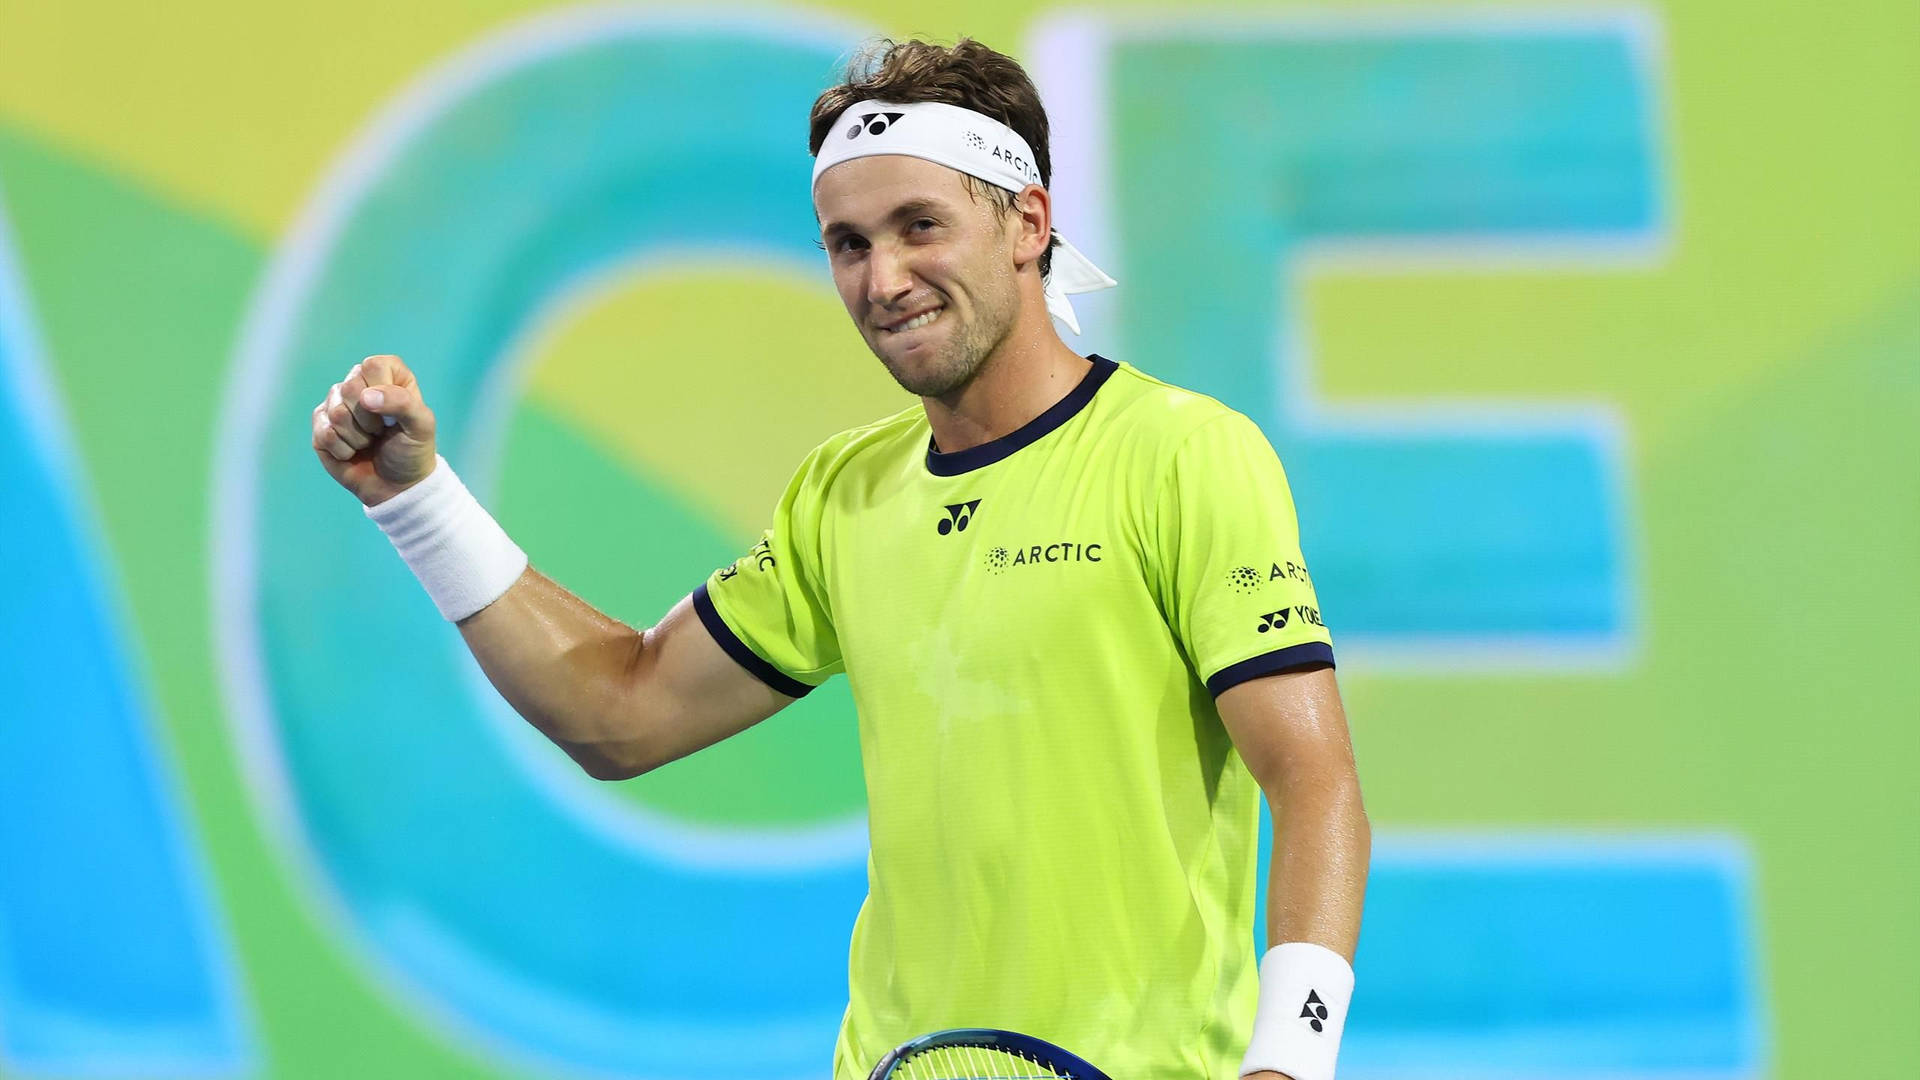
(1034, 630)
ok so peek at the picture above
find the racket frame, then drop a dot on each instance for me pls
(1011, 1042)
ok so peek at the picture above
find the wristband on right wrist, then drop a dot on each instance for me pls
(1305, 990)
(450, 542)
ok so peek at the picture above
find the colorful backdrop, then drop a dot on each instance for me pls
(1589, 336)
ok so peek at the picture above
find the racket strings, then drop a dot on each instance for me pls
(974, 1063)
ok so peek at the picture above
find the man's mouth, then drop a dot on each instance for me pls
(914, 323)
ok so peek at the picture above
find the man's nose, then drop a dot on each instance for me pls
(888, 280)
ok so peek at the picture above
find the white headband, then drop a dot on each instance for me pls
(973, 143)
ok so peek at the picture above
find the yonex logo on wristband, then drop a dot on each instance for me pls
(1314, 1011)
(1300, 981)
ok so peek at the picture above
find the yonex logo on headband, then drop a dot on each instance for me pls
(873, 123)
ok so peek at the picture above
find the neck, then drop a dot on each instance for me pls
(1024, 376)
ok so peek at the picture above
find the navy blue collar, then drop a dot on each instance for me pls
(987, 453)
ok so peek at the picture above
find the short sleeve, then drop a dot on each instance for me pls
(1228, 570)
(769, 609)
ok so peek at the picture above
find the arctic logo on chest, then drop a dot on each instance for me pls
(1001, 559)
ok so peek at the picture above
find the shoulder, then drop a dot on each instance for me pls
(1162, 418)
(868, 446)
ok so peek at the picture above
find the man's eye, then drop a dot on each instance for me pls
(927, 222)
(846, 243)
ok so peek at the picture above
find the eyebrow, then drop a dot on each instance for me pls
(910, 208)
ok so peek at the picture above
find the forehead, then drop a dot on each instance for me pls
(862, 191)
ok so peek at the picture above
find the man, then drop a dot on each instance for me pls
(1069, 599)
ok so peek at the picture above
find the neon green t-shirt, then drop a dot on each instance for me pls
(1063, 840)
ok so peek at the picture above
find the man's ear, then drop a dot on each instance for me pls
(1033, 212)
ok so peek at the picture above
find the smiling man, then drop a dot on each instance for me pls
(1069, 599)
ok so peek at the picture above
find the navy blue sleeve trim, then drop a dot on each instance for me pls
(1287, 659)
(744, 656)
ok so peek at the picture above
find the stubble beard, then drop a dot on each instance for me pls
(956, 363)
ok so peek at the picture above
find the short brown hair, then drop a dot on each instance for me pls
(967, 74)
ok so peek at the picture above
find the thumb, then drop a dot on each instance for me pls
(399, 405)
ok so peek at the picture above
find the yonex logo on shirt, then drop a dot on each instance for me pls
(957, 517)
(1277, 620)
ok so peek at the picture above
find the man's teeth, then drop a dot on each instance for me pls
(917, 321)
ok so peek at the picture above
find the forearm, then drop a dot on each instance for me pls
(1292, 731)
(1317, 878)
(572, 672)
(565, 667)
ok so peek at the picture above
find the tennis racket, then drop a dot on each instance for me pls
(982, 1054)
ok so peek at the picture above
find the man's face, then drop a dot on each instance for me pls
(924, 268)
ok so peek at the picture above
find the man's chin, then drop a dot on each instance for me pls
(932, 376)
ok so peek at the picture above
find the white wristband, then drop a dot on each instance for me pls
(450, 542)
(1304, 993)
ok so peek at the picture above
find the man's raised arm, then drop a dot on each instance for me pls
(619, 701)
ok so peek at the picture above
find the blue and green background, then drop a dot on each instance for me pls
(1590, 337)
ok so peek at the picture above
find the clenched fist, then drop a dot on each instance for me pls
(374, 432)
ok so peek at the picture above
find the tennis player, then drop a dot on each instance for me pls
(1069, 599)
